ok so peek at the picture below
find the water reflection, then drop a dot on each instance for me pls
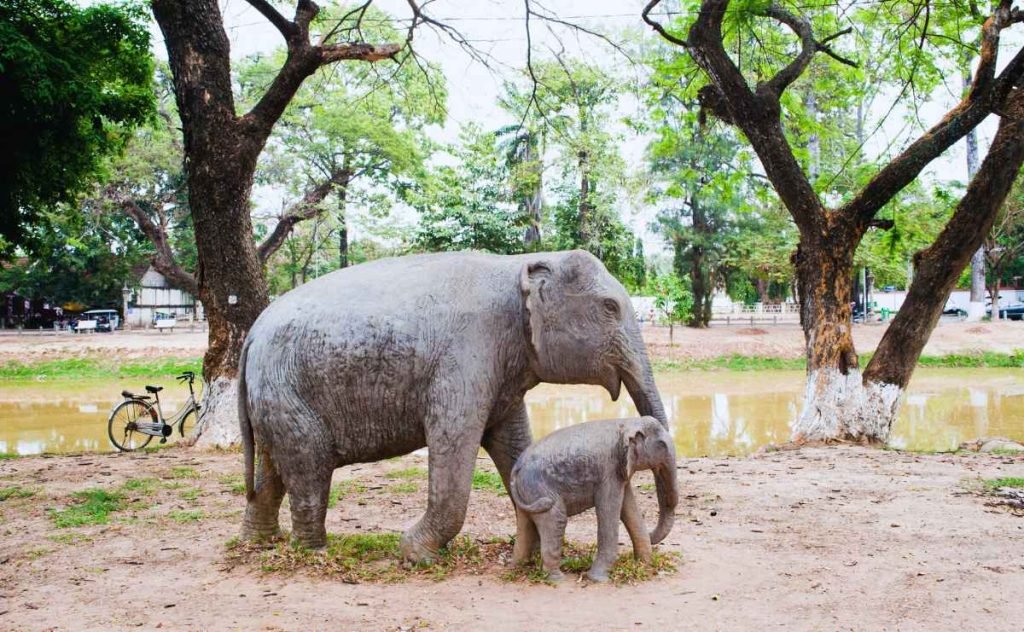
(713, 413)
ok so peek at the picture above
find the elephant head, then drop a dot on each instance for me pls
(581, 329)
(647, 445)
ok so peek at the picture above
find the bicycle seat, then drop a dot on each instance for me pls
(131, 395)
(154, 389)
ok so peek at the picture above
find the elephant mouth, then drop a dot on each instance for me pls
(613, 384)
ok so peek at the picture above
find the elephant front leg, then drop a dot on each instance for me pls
(609, 510)
(507, 438)
(635, 526)
(452, 455)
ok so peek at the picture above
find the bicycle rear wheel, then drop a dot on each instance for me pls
(123, 425)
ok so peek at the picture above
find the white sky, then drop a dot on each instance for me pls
(497, 28)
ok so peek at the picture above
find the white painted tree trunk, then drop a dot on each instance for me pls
(838, 406)
(218, 425)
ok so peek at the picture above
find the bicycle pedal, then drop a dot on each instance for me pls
(163, 439)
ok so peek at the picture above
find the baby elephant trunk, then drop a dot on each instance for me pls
(668, 498)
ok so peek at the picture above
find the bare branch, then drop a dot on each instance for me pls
(281, 23)
(646, 15)
(306, 208)
(163, 260)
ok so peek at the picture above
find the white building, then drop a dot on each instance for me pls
(155, 296)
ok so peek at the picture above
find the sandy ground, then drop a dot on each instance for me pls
(784, 340)
(817, 539)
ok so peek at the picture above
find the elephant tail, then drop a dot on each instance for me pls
(540, 505)
(248, 440)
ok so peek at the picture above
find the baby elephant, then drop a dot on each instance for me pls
(589, 465)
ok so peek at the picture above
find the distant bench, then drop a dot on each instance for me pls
(165, 323)
(86, 325)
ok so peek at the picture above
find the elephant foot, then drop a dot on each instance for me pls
(254, 530)
(314, 540)
(556, 576)
(414, 551)
(597, 576)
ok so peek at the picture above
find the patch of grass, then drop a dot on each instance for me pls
(577, 559)
(17, 491)
(996, 483)
(234, 482)
(737, 362)
(646, 487)
(365, 557)
(407, 473)
(34, 554)
(1006, 452)
(143, 486)
(184, 471)
(342, 490)
(8, 455)
(183, 516)
(84, 368)
(490, 481)
(69, 538)
(190, 494)
(407, 487)
(92, 506)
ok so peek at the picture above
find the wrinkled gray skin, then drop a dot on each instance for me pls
(590, 465)
(381, 359)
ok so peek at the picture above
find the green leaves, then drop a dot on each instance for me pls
(76, 81)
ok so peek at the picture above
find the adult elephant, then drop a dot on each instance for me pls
(437, 350)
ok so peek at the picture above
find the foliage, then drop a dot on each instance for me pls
(75, 83)
(672, 298)
(489, 481)
(465, 206)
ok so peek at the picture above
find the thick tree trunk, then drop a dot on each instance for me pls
(533, 199)
(976, 306)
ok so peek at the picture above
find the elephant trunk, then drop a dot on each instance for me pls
(666, 484)
(639, 380)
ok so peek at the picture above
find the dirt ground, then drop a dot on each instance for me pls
(816, 539)
(784, 340)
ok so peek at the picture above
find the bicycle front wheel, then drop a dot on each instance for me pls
(123, 425)
(188, 423)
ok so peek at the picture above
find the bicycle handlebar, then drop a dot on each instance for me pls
(187, 376)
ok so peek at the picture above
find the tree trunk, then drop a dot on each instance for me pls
(700, 289)
(342, 191)
(533, 200)
(220, 168)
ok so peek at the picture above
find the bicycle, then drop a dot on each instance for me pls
(134, 422)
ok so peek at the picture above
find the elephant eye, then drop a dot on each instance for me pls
(611, 307)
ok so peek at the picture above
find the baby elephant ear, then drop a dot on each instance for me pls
(632, 440)
(532, 279)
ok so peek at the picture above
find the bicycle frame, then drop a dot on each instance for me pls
(162, 427)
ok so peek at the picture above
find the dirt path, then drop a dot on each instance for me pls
(784, 341)
(818, 539)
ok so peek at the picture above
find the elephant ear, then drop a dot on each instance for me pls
(532, 279)
(632, 440)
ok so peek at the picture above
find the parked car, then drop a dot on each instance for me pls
(1010, 312)
(106, 319)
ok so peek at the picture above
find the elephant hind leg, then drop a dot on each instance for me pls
(551, 526)
(262, 510)
(504, 441)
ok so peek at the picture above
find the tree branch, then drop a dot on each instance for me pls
(163, 260)
(646, 15)
(986, 94)
(302, 61)
(306, 208)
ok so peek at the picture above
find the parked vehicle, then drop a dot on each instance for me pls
(106, 319)
(1010, 312)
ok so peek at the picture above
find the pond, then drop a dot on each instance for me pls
(713, 413)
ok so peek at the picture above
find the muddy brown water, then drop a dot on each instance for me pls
(713, 413)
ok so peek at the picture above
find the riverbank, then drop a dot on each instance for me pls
(821, 538)
(33, 355)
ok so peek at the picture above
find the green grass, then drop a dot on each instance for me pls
(91, 506)
(16, 491)
(69, 538)
(489, 481)
(143, 486)
(578, 558)
(190, 494)
(8, 455)
(234, 482)
(343, 489)
(361, 557)
(408, 487)
(737, 362)
(996, 483)
(84, 368)
(183, 471)
(407, 474)
(190, 515)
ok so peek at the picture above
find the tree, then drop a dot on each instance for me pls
(673, 300)
(466, 206)
(841, 402)
(74, 84)
(1005, 243)
(222, 148)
